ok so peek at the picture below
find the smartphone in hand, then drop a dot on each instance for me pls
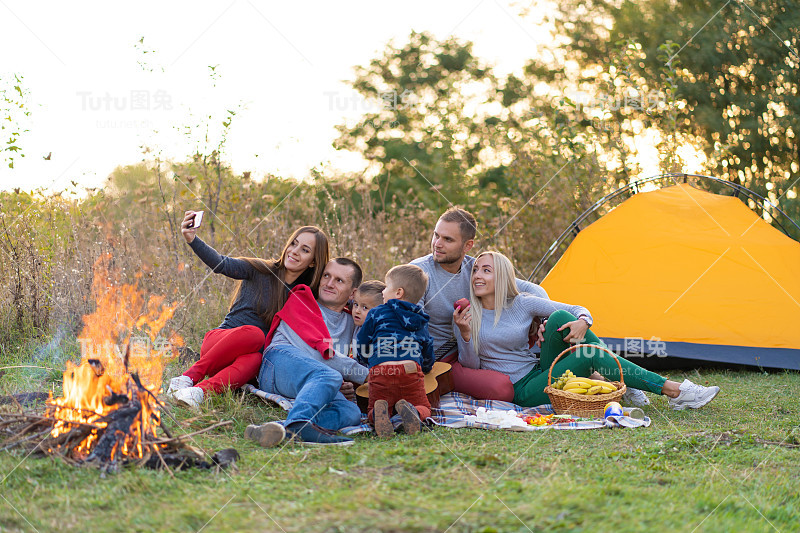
(198, 219)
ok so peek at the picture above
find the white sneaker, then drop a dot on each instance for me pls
(181, 382)
(191, 396)
(634, 398)
(693, 396)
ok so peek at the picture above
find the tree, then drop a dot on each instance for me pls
(451, 132)
(738, 80)
(425, 141)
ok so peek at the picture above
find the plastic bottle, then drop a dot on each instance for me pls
(633, 412)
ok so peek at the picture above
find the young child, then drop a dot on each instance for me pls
(368, 295)
(395, 344)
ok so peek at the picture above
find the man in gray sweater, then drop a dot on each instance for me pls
(449, 270)
(295, 369)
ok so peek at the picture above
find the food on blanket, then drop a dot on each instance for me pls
(588, 386)
(504, 419)
(562, 420)
(538, 420)
(461, 304)
(560, 382)
(612, 409)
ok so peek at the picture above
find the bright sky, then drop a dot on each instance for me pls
(93, 106)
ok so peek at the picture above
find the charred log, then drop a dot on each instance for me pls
(25, 398)
(115, 398)
(119, 424)
(181, 461)
(175, 461)
(225, 458)
(97, 366)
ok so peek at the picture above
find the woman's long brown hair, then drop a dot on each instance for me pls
(275, 271)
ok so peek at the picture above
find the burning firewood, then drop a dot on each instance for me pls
(32, 432)
(106, 422)
(109, 414)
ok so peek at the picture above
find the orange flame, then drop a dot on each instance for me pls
(92, 389)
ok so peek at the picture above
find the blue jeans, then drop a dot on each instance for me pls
(313, 385)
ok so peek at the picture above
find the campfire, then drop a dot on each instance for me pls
(110, 413)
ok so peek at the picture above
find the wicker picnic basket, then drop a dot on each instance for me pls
(579, 404)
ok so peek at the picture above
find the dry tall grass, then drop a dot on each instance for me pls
(49, 243)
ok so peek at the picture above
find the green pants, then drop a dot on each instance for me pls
(529, 391)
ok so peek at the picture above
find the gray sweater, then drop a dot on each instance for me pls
(245, 310)
(504, 347)
(445, 288)
(340, 326)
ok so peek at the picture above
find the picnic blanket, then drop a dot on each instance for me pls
(458, 410)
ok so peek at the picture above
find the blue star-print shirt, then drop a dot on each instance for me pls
(395, 331)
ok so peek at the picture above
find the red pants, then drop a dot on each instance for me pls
(395, 382)
(229, 357)
(481, 384)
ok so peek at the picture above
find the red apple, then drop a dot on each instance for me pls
(461, 304)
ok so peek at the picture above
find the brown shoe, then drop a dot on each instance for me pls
(409, 415)
(266, 435)
(380, 414)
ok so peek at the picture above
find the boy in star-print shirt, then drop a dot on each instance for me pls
(395, 344)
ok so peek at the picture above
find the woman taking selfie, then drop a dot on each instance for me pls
(231, 354)
(502, 317)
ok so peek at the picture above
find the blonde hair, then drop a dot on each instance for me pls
(411, 278)
(505, 290)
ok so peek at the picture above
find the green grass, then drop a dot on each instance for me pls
(705, 470)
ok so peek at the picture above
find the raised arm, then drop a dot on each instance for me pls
(220, 264)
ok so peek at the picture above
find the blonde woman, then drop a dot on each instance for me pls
(502, 317)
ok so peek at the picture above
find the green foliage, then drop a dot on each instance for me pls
(34, 235)
(737, 82)
(458, 135)
(14, 110)
(425, 141)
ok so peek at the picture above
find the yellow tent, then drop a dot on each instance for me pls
(697, 271)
